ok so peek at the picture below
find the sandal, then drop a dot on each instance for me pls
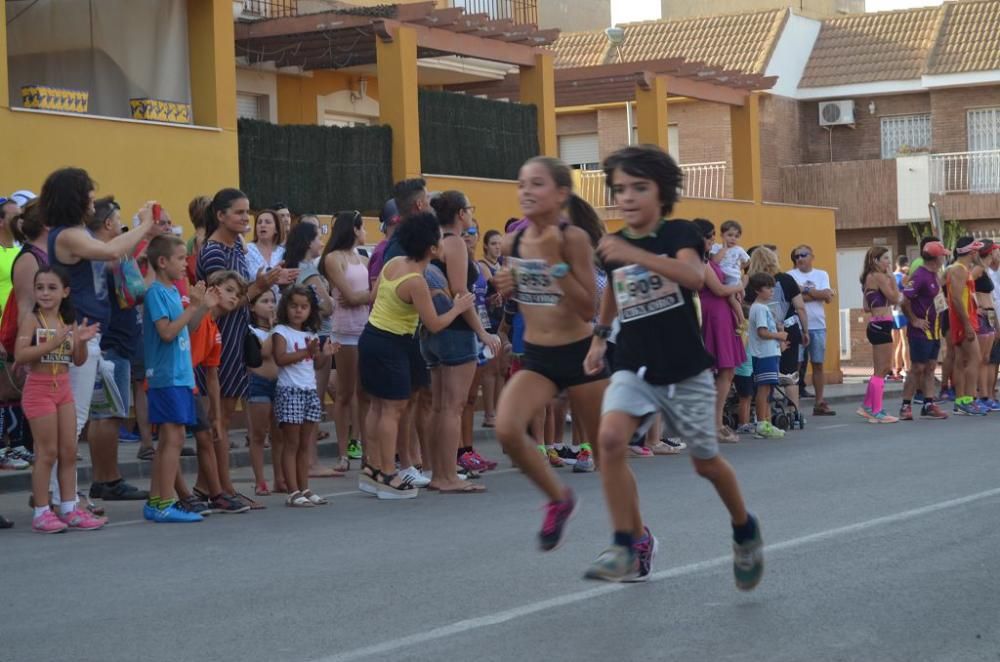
(323, 434)
(468, 488)
(315, 499)
(146, 454)
(298, 500)
(261, 489)
(254, 505)
(92, 507)
(368, 479)
(343, 464)
(404, 490)
(727, 436)
(323, 472)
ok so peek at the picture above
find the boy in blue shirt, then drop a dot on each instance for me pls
(764, 348)
(169, 374)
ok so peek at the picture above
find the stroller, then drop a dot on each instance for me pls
(784, 414)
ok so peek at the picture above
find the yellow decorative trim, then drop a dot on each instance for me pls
(44, 97)
(160, 111)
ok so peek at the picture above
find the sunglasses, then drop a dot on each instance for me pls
(801, 256)
(470, 232)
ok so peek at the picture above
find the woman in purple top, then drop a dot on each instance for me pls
(718, 329)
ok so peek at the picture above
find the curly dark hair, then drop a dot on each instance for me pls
(65, 198)
(418, 234)
(312, 322)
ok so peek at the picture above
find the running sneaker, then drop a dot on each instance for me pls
(968, 409)
(663, 448)
(639, 451)
(488, 465)
(765, 430)
(125, 436)
(23, 453)
(906, 413)
(615, 564)
(932, 411)
(83, 520)
(193, 504)
(470, 462)
(882, 417)
(48, 522)
(584, 462)
(568, 455)
(554, 458)
(947, 394)
(865, 412)
(227, 505)
(117, 491)
(557, 517)
(419, 479)
(993, 405)
(354, 451)
(172, 514)
(645, 551)
(982, 406)
(748, 560)
(746, 428)
(10, 462)
(148, 512)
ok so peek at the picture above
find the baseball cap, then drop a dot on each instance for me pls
(22, 197)
(966, 245)
(389, 215)
(935, 249)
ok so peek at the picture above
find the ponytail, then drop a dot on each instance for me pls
(583, 216)
(222, 201)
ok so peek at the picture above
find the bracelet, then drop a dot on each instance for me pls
(602, 331)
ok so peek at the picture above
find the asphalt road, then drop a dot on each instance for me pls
(881, 545)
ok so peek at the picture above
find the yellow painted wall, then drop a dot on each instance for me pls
(135, 162)
(495, 200)
(297, 94)
(786, 226)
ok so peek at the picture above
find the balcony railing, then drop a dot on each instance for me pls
(701, 180)
(520, 12)
(965, 172)
(270, 8)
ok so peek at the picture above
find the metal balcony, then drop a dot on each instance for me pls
(519, 12)
(965, 172)
(701, 180)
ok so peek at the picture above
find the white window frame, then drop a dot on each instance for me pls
(263, 102)
(913, 131)
(342, 120)
(980, 141)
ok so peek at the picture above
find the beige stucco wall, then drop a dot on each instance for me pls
(574, 15)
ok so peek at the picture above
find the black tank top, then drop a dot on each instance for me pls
(984, 284)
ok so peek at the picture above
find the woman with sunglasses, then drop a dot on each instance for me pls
(347, 272)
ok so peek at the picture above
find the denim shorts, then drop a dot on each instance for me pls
(390, 365)
(123, 382)
(261, 390)
(449, 347)
(816, 351)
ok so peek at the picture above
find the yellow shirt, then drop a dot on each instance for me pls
(7, 256)
(389, 312)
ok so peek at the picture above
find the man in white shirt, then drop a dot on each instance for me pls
(817, 293)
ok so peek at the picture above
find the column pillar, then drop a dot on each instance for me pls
(211, 55)
(744, 124)
(4, 92)
(399, 100)
(538, 87)
(651, 111)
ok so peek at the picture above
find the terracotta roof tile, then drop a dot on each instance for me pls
(742, 42)
(969, 39)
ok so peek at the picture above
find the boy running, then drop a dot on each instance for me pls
(660, 360)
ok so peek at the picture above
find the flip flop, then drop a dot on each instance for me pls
(470, 488)
(322, 472)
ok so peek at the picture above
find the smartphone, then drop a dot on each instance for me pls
(157, 212)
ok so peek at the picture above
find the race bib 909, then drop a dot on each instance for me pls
(535, 285)
(640, 293)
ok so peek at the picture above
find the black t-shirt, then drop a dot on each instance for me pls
(659, 336)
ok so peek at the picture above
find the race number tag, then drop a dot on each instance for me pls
(940, 303)
(61, 354)
(640, 293)
(535, 286)
(484, 316)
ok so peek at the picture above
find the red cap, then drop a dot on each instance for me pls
(935, 249)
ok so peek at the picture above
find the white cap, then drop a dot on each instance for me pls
(22, 197)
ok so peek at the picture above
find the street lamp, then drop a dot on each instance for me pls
(616, 37)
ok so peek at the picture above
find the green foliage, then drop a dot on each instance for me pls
(952, 231)
(466, 136)
(316, 169)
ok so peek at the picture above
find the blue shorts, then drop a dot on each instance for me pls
(449, 347)
(816, 351)
(765, 370)
(744, 385)
(261, 390)
(172, 404)
(899, 320)
(390, 365)
(101, 407)
(924, 350)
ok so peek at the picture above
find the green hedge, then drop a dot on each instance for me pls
(315, 169)
(463, 135)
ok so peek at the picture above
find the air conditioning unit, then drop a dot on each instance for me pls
(836, 113)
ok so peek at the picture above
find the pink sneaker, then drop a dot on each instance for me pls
(48, 523)
(83, 520)
(639, 451)
(469, 462)
(489, 465)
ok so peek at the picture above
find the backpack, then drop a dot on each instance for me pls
(130, 287)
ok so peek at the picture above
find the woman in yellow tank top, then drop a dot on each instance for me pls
(388, 348)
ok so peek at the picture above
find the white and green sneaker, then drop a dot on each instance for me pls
(748, 560)
(765, 430)
(615, 564)
(354, 451)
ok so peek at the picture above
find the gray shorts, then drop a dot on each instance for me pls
(688, 408)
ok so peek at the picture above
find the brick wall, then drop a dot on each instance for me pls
(896, 238)
(612, 130)
(861, 349)
(950, 129)
(576, 123)
(864, 141)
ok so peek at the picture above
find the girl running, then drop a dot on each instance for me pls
(296, 405)
(387, 352)
(880, 296)
(48, 341)
(263, 384)
(347, 273)
(661, 365)
(551, 276)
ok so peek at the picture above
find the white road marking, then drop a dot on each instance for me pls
(832, 427)
(500, 617)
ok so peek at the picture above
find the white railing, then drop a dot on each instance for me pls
(965, 172)
(701, 180)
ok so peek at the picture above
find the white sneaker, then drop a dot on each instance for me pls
(419, 479)
(10, 462)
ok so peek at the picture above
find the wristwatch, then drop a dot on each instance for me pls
(601, 331)
(560, 270)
